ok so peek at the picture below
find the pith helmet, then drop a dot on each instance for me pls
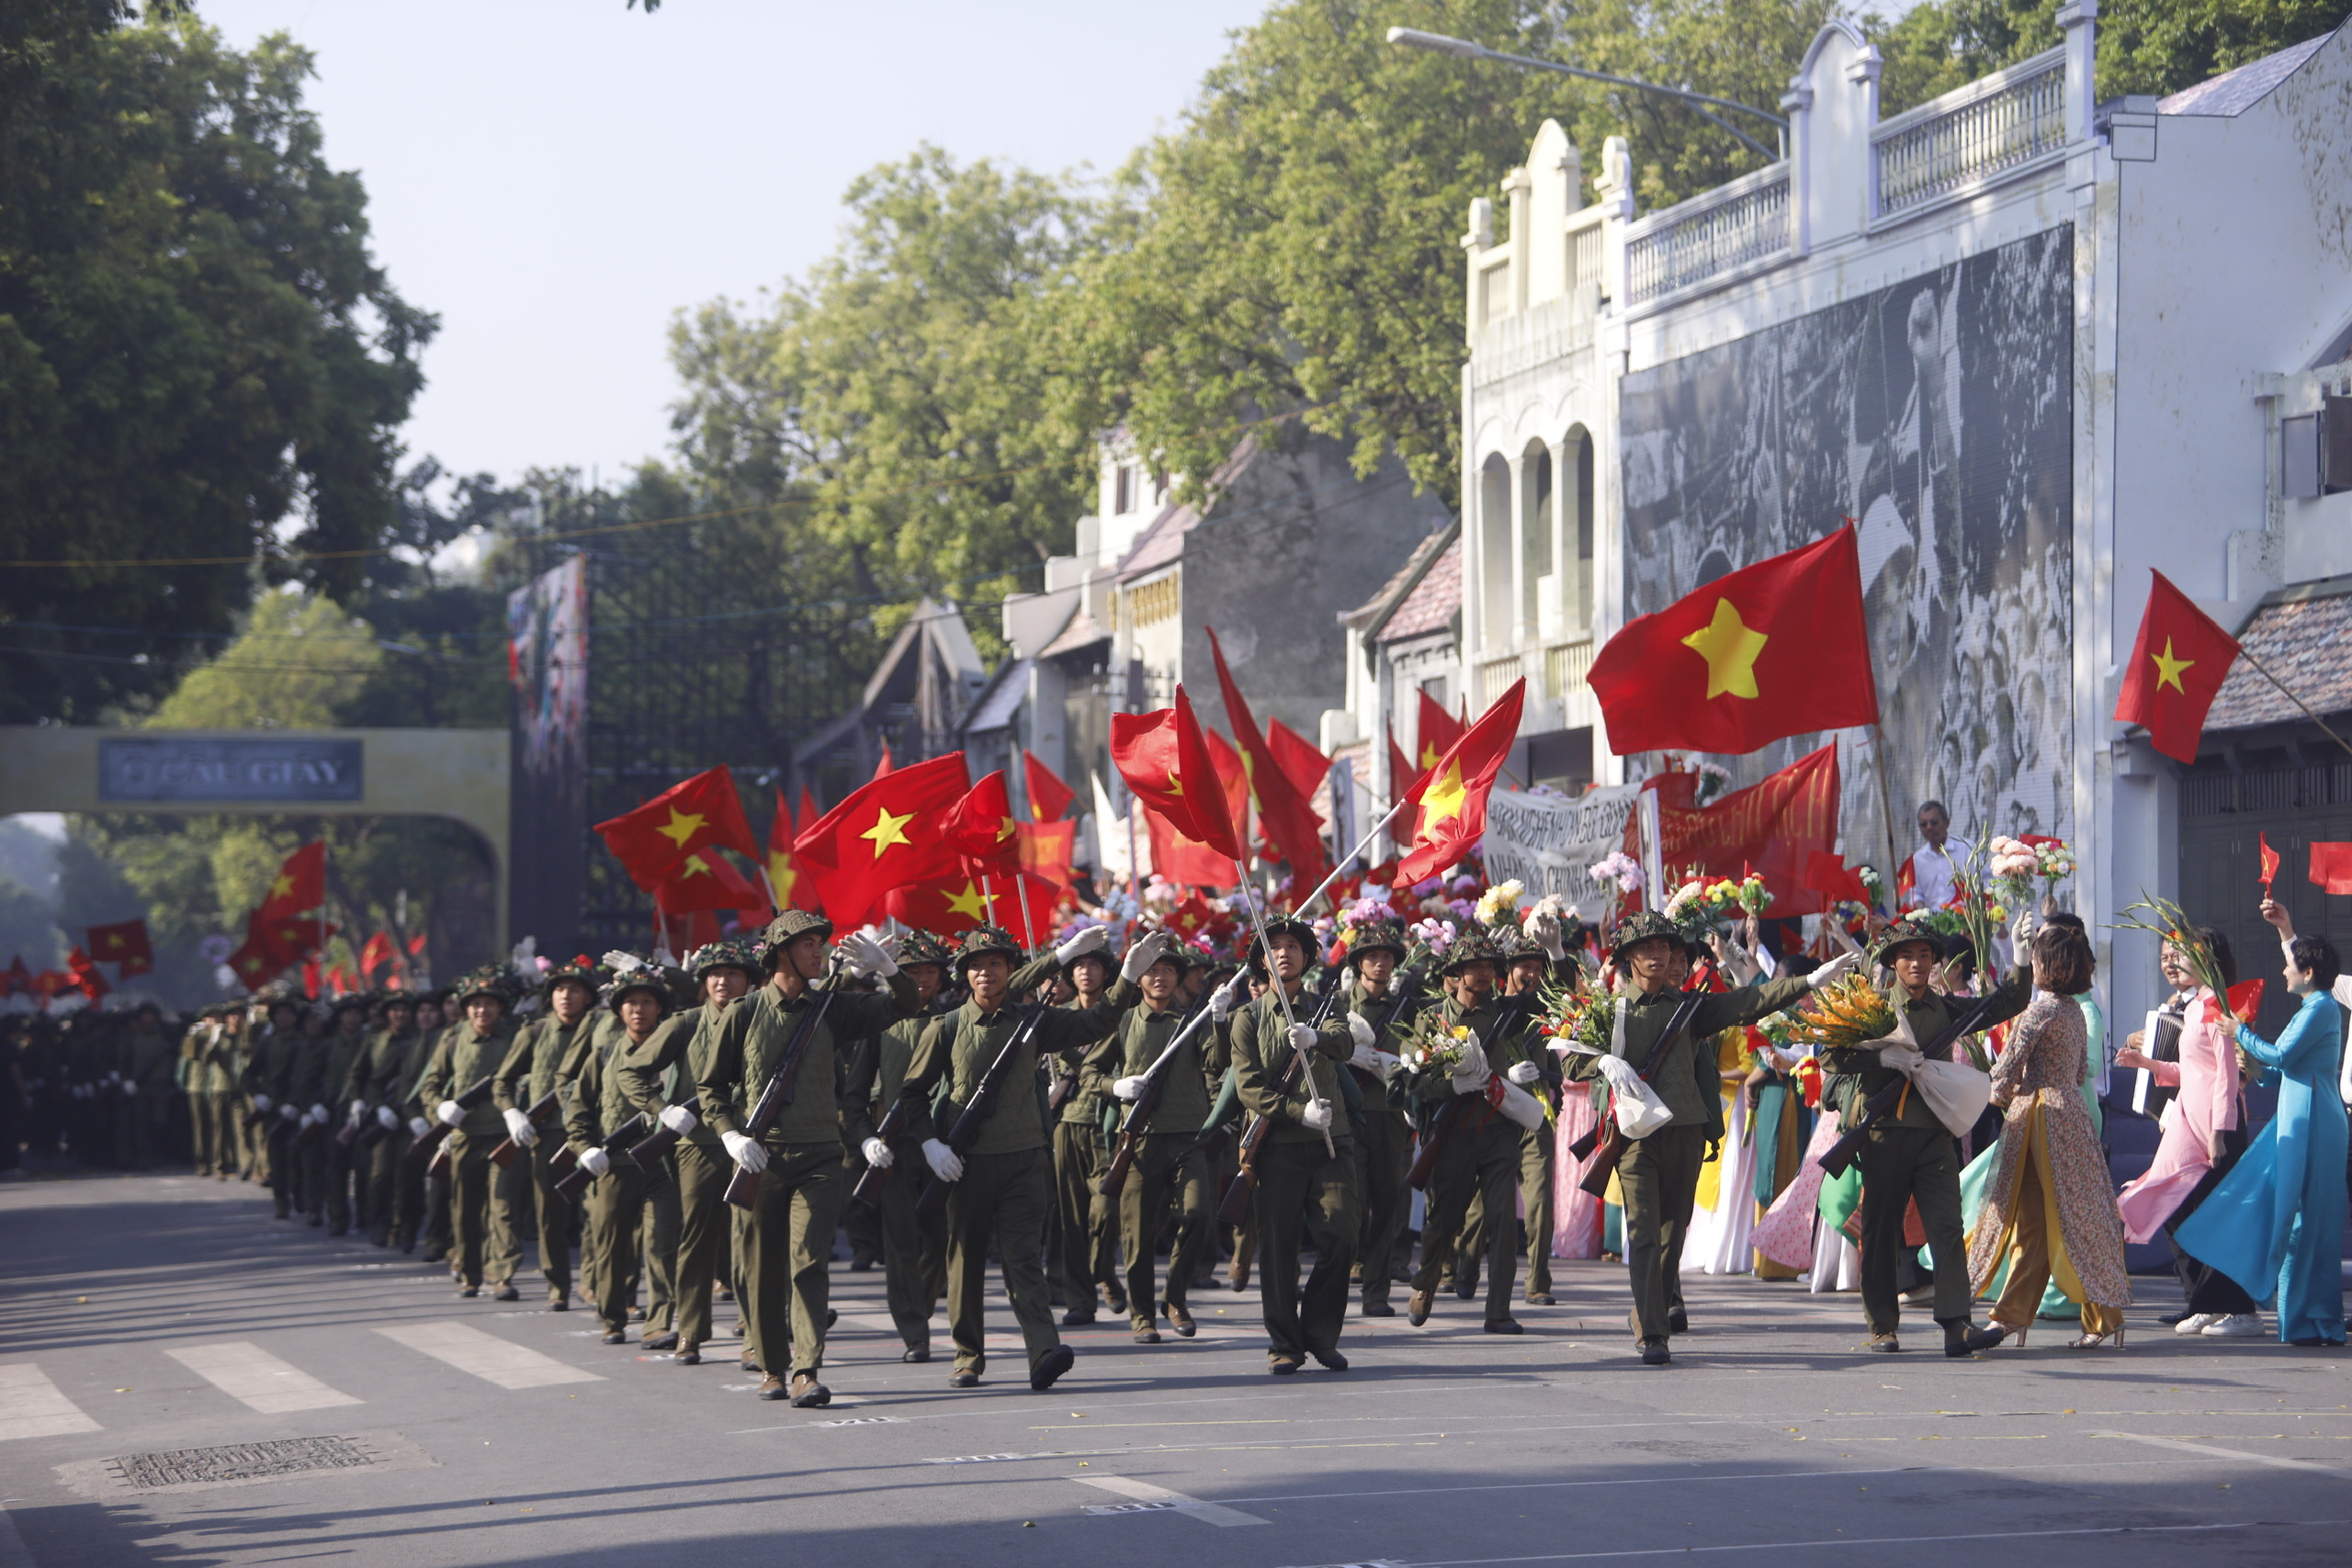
(982, 941)
(1378, 936)
(1902, 933)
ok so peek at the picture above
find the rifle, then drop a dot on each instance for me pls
(432, 1148)
(1606, 1134)
(1146, 1104)
(743, 1186)
(1508, 1013)
(616, 1146)
(870, 1181)
(1841, 1155)
(540, 1115)
(1235, 1208)
(977, 1110)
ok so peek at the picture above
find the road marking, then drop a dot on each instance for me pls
(245, 1372)
(30, 1405)
(2277, 1461)
(486, 1356)
(1145, 1492)
(986, 1458)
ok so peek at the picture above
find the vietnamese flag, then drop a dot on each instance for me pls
(301, 884)
(1048, 797)
(946, 907)
(1452, 796)
(1401, 772)
(2177, 663)
(89, 979)
(1167, 762)
(1435, 733)
(702, 812)
(1826, 873)
(1046, 850)
(983, 829)
(705, 880)
(2332, 867)
(1283, 814)
(2270, 861)
(882, 769)
(124, 943)
(885, 834)
(1026, 909)
(379, 951)
(1770, 650)
(1301, 760)
(791, 887)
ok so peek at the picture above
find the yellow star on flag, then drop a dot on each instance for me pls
(285, 883)
(1175, 785)
(1730, 648)
(1444, 800)
(2169, 669)
(1429, 756)
(969, 903)
(888, 829)
(783, 876)
(695, 866)
(1006, 832)
(682, 826)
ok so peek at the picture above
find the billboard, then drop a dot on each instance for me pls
(547, 667)
(1937, 416)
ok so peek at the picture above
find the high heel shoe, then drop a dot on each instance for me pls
(2098, 1342)
(2008, 1330)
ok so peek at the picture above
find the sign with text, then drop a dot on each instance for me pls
(295, 769)
(1550, 842)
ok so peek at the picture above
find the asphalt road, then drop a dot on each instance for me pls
(155, 1315)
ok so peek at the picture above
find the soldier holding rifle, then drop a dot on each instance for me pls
(596, 1107)
(1385, 1152)
(914, 1249)
(376, 1089)
(481, 1196)
(536, 1068)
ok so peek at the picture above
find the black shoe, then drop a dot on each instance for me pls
(506, 1292)
(1888, 1344)
(1417, 1308)
(1282, 1366)
(807, 1394)
(1506, 1325)
(1678, 1322)
(1541, 1299)
(2183, 1315)
(964, 1380)
(1115, 1299)
(1146, 1334)
(662, 1342)
(771, 1387)
(689, 1356)
(469, 1293)
(1330, 1360)
(1655, 1353)
(558, 1303)
(1378, 1309)
(858, 1265)
(1078, 1317)
(833, 1316)
(916, 1353)
(1964, 1338)
(1465, 1288)
(616, 1336)
(1180, 1318)
(1050, 1366)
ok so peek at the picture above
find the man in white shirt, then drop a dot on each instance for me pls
(1933, 864)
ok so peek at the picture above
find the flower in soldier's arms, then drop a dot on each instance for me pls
(1435, 1043)
(1495, 900)
(1844, 1012)
(1365, 910)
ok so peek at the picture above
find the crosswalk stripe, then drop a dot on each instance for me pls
(30, 1405)
(486, 1356)
(1145, 1492)
(244, 1370)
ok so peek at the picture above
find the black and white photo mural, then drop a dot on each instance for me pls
(1937, 414)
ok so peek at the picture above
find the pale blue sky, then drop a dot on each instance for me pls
(556, 177)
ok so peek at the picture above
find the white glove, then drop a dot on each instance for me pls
(1543, 930)
(307, 1119)
(1302, 1036)
(1316, 1117)
(418, 1126)
(1146, 953)
(519, 1128)
(1523, 1073)
(1620, 1073)
(262, 1103)
(1127, 1089)
(745, 1151)
(1368, 1060)
(359, 1109)
(867, 956)
(1473, 1072)
(450, 1112)
(318, 1112)
(678, 1118)
(386, 1117)
(1228, 995)
(2022, 935)
(130, 1089)
(1093, 939)
(1361, 1032)
(288, 1113)
(1834, 969)
(878, 1154)
(595, 1161)
(944, 1162)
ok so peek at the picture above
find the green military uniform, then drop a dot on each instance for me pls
(914, 1247)
(1660, 1175)
(330, 1160)
(421, 1207)
(1537, 1146)
(482, 1197)
(596, 1107)
(148, 1059)
(377, 1087)
(1384, 1138)
(268, 1083)
(1089, 1252)
(539, 1064)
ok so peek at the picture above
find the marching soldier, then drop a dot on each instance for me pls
(146, 1087)
(799, 1161)
(1306, 1169)
(914, 1249)
(597, 1107)
(1385, 1150)
(375, 1091)
(1089, 1252)
(1660, 1174)
(330, 1157)
(1533, 954)
(482, 1197)
(1001, 1188)
(268, 1085)
(536, 1066)
(421, 1199)
(1168, 1165)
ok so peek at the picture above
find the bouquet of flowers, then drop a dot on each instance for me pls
(1436, 1044)
(2054, 861)
(1430, 936)
(1498, 900)
(1586, 1016)
(2012, 865)
(1846, 1012)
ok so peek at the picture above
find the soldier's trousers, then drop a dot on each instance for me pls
(786, 1250)
(1003, 1197)
(278, 1145)
(1536, 1146)
(1659, 1179)
(915, 1250)
(1481, 1164)
(440, 1212)
(334, 1182)
(705, 1232)
(482, 1199)
(657, 1250)
(619, 1204)
(1169, 1169)
(1303, 1193)
(1901, 1165)
(1386, 1155)
(204, 1131)
(1089, 1254)
(381, 1170)
(555, 1217)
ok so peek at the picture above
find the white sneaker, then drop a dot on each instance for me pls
(2197, 1323)
(2237, 1325)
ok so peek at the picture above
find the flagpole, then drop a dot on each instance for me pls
(1886, 807)
(1274, 981)
(2247, 655)
(988, 896)
(1353, 856)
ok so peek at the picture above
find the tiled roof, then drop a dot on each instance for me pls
(1163, 540)
(1431, 607)
(2234, 92)
(1399, 582)
(2306, 641)
(1082, 632)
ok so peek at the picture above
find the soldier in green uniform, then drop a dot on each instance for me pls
(1001, 1187)
(268, 1085)
(1090, 1246)
(212, 1120)
(330, 1157)
(1910, 1156)
(481, 1196)
(1169, 1166)
(659, 1078)
(914, 1249)
(376, 1092)
(1660, 1174)
(1533, 954)
(596, 1107)
(1480, 1108)
(800, 1162)
(1384, 1146)
(1305, 1168)
(144, 1109)
(542, 1054)
(421, 1201)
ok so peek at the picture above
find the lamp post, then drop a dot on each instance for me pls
(1438, 44)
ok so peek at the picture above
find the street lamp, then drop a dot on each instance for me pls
(1438, 44)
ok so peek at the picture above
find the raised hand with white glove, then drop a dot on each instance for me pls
(1542, 928)
(867, 956)
(1228, 995)
(595, 1160)
(387, 1118)
(1092, 938)
(745, 1151)
(1834, 968)
(878, 1154)
(678, 1118)
(1150, 950)
(2021, 931)
(519, 1128)
(450, 1112)
(944, 1162)
(1129, 1089)
(1523, 1073)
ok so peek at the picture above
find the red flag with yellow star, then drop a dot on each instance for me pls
(1166, 761)
(301, 884)
(702, 812)
(984, 829)
(705, 880)
(125, 944)
(889, 833)
(1048, 797)
(1451, 798)
(2176, 671)
(1284, 816)
(948, 906)
(793, 886)
(1435, 731)
(1770, 650)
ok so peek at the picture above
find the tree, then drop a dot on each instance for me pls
(196, 347)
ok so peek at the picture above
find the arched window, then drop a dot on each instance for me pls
(1535, 537)
(1494, 552)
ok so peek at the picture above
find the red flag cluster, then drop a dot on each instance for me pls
(289, 926)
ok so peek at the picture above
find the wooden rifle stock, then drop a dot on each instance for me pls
(975, 1115)
(1146, 1104)
(432, 1148)
(1243, 1187)
(1840, 1156)
(616, 1145)
(540, 1115)
(743, 1186)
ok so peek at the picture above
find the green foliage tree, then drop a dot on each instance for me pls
(196, 347)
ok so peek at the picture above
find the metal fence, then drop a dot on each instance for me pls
(1998, 124)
